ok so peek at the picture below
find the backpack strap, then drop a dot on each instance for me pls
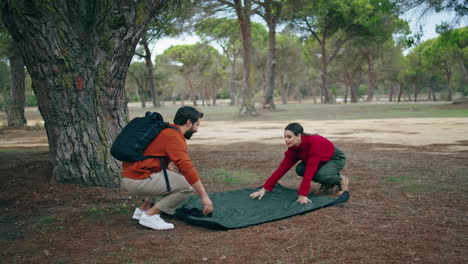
(163, 165)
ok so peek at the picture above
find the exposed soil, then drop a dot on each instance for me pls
(409, 203)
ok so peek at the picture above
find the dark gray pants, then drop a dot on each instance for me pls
(329, 174)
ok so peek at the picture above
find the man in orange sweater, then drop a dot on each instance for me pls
(145, 178)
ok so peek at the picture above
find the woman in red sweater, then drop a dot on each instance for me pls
(321, 162)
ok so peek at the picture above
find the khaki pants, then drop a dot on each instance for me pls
(154, 190)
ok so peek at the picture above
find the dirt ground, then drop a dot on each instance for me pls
(409, 201)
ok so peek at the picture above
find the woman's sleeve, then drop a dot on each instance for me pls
(311, 168)
(288, 161)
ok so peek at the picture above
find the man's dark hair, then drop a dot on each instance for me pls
(186, 113)
(296, 128)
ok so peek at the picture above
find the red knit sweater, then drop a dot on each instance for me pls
(314, 151)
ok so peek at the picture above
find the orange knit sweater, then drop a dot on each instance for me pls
(169, 143)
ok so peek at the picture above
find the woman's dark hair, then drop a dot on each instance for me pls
(296, 128)
(186, 113)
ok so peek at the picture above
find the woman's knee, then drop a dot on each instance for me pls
(300, 169)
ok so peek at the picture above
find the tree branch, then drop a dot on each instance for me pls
(338, 47)
(226, 3)
(312, 31)
(139, 55)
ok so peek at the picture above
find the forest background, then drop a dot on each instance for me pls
(83, 63)
(73, 73)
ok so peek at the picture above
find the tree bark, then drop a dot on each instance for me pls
(346, 81)
(465, 73)
(449, 85)
(355, 81)
(272, 14)
(371, 77)
(284, 99)
(140, 90)
(324, 73)
(392, 93)
(408, 92)
(400, 92)
(150, 68)
(15, 111)
(232, 82)
(78, 53)
(432, 92)
(248, 92)
(415, 89)
(192, 92)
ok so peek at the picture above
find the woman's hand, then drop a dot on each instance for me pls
(258, 194)
(303, 199)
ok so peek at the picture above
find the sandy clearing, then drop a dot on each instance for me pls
(411, 131)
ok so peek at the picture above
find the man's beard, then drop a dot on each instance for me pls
(189, 134)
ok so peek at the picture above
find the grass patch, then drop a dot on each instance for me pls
(410, 183)
(47, 220)
(232, 176)
(312, 257)
(95, 212)
(399, 179)
(17, 150)
(49, 224)
(419, 188)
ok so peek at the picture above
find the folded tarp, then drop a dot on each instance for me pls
(234, 209)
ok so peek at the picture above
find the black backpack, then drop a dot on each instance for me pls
(136, 136)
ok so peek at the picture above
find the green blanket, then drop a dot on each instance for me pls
(234, 209)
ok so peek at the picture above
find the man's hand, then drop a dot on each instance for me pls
(303, 199)
(207, 205)
(171, 166)
(258, 194)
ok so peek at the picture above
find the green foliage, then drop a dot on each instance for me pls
(224, 31)
(362, 91)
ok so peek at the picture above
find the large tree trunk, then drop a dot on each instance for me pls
(78, 53)
(192, 91)
(232, 82)
(15, 111)
(371, 77)
(432, 95)
(140, 90)
(248, 91)
(415, 89)
(284, 99)
(347, 82)
(465, 73)
(150, 68)
(355, 82)
(449, 85)
(408, 92)
(391, 91)
(271, 18)
(400, 92)
(324, 73)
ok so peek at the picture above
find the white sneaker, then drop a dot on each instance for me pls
(155, 222)
(137, 214)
